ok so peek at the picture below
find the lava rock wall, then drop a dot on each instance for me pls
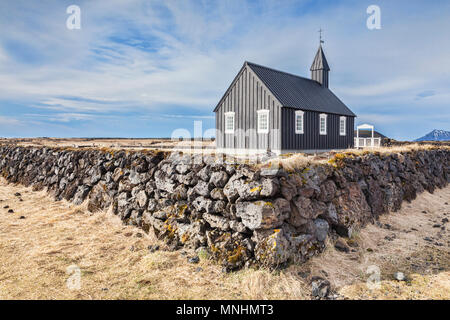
(241, 214)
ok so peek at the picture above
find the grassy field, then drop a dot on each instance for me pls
(114, 143)
(42, 242)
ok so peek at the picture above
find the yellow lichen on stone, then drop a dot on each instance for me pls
(171, 229)
(338, 158)
(181, 210)
(184, 237)
(236, 254)
(269, 204)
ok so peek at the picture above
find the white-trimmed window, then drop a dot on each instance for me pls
(229, 122)
(323, 124)
(263, 121)
(299, 129)
(342, 125)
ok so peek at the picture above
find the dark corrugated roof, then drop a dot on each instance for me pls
(320, 62)
(300, 93)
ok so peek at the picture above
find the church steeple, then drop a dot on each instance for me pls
(319, 68)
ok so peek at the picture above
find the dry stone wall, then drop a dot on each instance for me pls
(240, 214)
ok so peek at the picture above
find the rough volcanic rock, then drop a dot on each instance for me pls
(217, 194)
(219, 179)
(80, 194)
(99, 198)
(352, 209)
(322, 228)
(269, 188)
(263, 214)
(241, 214)
(327, 191)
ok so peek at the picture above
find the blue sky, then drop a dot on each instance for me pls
(145, 68)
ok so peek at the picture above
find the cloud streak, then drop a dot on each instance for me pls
(177, 58)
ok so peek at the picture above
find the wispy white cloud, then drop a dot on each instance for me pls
(181, 116)
(9, 121)
(142, 55)
(383, 87)
(62, 117)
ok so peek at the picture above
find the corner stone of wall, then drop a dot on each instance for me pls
(242, 215)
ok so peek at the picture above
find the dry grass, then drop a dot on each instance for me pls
(115, 144)
(397, 149)
(116, 264)
(292, 162)
(36, 251)
(407, 252)
(418, 287)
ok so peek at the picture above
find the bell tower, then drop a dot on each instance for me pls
(319, 68)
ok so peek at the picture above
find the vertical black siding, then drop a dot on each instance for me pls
(311, 138)
(245, 98)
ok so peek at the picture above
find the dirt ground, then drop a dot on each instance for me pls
(47, 246)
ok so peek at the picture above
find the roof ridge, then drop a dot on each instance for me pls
(284, 72)
(294, 91)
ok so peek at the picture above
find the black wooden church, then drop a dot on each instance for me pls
(269, 110)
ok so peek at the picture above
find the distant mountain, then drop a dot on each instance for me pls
(436, 135)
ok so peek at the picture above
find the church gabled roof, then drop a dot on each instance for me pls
(300, 93)
(320, 62)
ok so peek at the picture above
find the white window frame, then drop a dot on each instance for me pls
(229, 115)
(323, 116)
(299, 114)
(345, 125)
(260, 113)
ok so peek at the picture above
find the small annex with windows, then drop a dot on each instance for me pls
(263, 121)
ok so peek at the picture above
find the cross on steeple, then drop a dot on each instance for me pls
(320, 36)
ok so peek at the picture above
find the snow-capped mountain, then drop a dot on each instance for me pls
(436, 135)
